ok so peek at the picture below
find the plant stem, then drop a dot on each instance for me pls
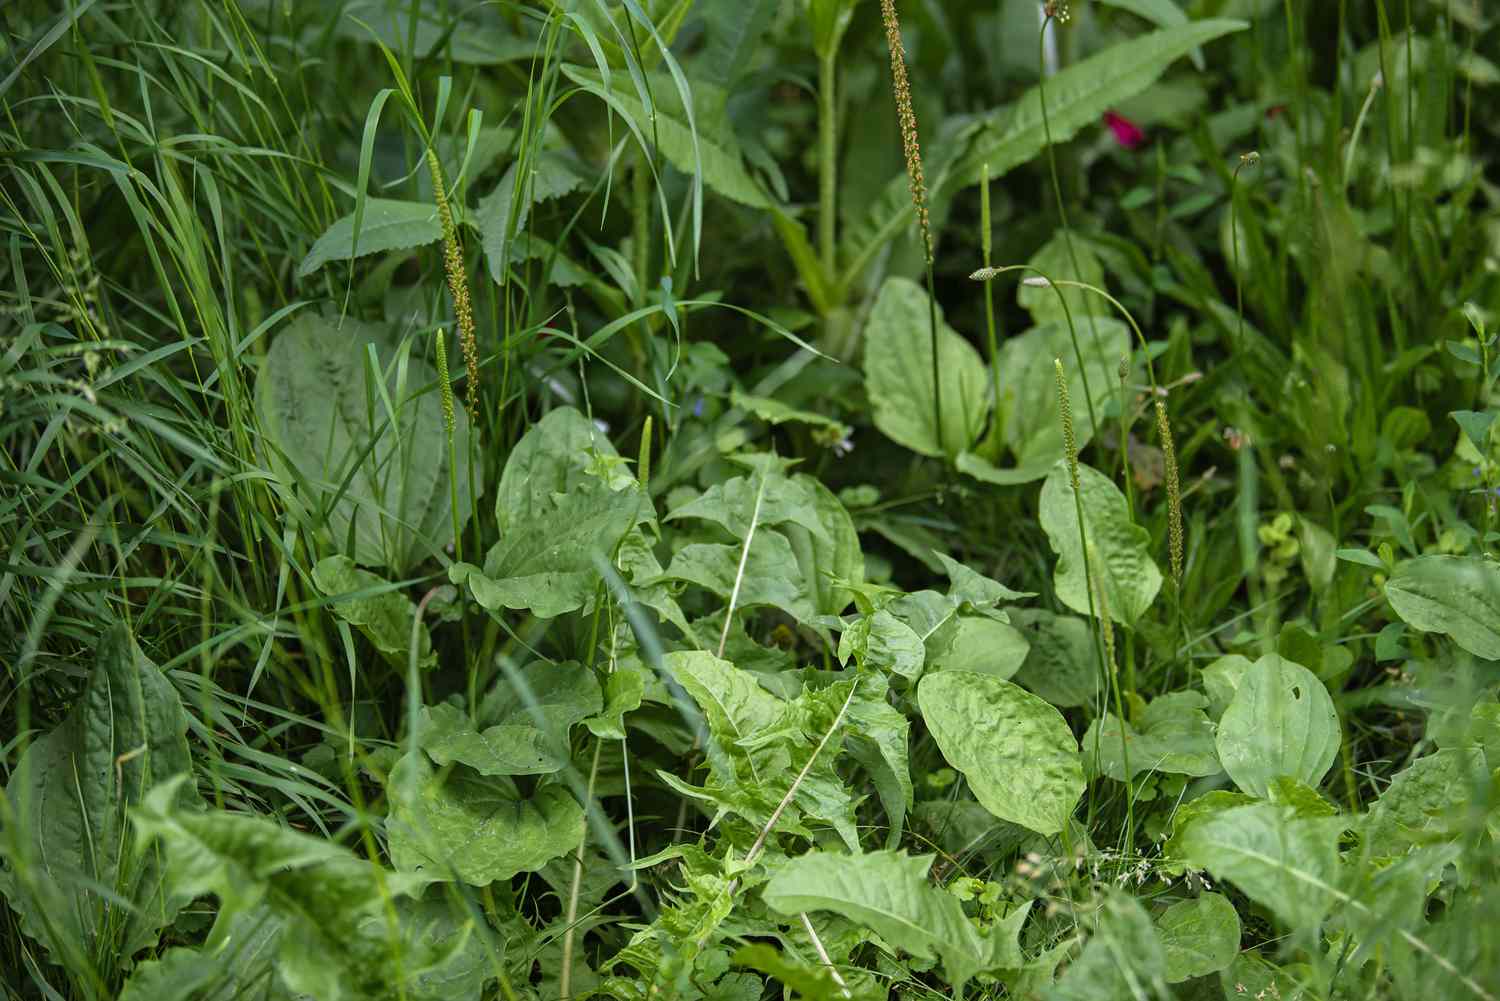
(828, 165)
(565, 974)
(985, 248)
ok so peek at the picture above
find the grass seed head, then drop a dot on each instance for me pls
(907, 116)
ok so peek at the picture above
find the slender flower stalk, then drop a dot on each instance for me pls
(908, 119)
(911, 145)
(450, 422)
(1070, 438)
(1174, 490)
(458, 284)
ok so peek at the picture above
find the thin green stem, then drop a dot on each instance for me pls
(828, 164)
(986, 239)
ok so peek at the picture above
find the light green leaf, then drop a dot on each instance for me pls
(1162, 13)
(898, 374)
(387, 224)
(332, 451)
(882, 642)
(1221, 680)
(524, 726)
(771, 573)
(561, 453)
(318, 890)
(975, 588)
(1045, 303)
(1016, 751)
(1028, 420)
(1458, 596)
(757, 744)
(623, 690)
(385, 618)
(461, 964)
(1425, 799)
(809, 981)
(773, 411)
(1079, 95)
(1123, 959)
(1033, 469)
(828, 552)
(980, 644)
(738, 502)
(926, 612)
(878, 736)
(889, 893)
(1119, 556)
(1062, 666)
(241, 950)
(1288, 864)
(548, 566)
(1280, 722)
(551, 175)
(1185, 814)
(1199, 936)
(477, 827)
(71, 791)
(829, 19)
(716, 158)
(1172, 735)
(564, 502)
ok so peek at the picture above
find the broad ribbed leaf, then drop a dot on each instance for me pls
(478, 827)
(241, 950)
(826, 551)
(319, 890)
(1080, 94)
(387, 224)
(1062, 665)
(334, 451)
(1119, 551)
(1280, 722)
(977, 643)
(1016, 751)
(1123, 959)
(898, 375)
(889, 893)
(770, 576)
(385, 617)
(70, 793)
(1200, 936)
(1045, 303)
(565, 501)
(1172, 735)
(1458, 596)
(974, 588)
(524, 724)
(1286, 863)
(1426, 798)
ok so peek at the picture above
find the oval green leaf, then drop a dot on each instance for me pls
(1200, 936)
(1458, 596)
(898, 375)
(1281, 721)
(1016, 751)
(1119, 556)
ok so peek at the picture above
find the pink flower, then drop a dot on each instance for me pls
(1127, 133)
